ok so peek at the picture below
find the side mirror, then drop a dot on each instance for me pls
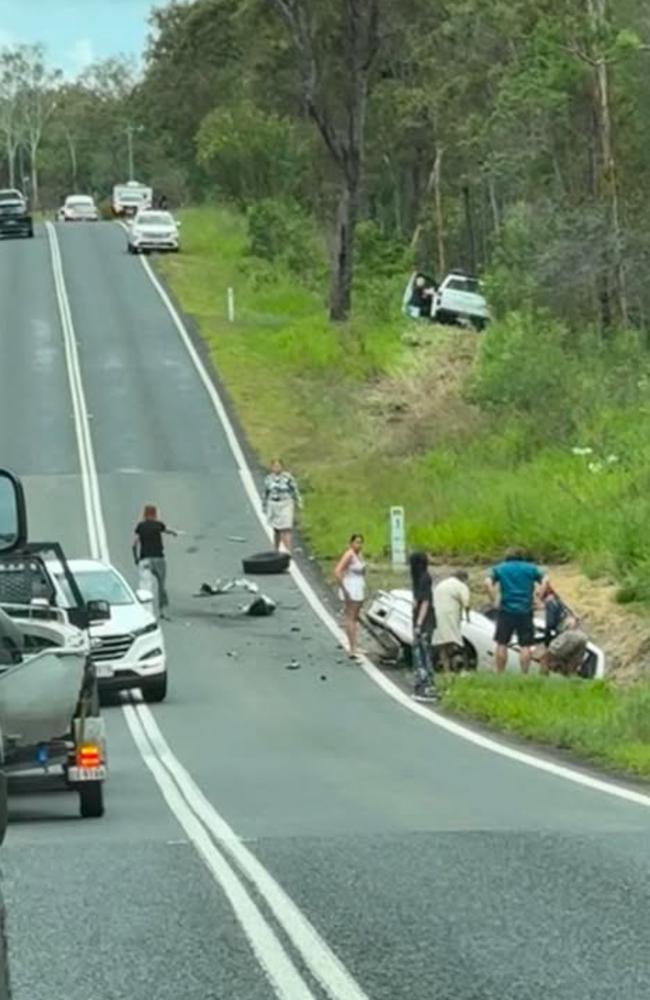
(98, 611)
(144, 596)
(178, 222)
(13, 513)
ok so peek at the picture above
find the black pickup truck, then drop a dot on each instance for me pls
(15, 217)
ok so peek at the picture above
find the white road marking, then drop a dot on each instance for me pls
(619, 791)
(268, 950)
(193, 811)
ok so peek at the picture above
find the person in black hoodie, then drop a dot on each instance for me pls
(424, 623)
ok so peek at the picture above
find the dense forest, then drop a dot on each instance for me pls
(504, 136)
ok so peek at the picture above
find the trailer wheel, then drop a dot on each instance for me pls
(91, 800)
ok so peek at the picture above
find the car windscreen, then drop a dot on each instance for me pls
(464, 285)
(80, 202)
(155, 219)
(102, 585)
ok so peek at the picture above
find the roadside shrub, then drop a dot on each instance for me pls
(281, 233)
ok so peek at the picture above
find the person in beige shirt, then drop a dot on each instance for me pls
(451, 599)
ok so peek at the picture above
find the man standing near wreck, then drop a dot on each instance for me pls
(512, 584)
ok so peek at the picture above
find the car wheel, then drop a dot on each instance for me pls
(467, 660)
(478, 324)
(155, 690)
(30, 234)
(91, 799)
(130, 248)
(265, 563)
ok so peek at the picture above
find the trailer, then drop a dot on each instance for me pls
(50, 715)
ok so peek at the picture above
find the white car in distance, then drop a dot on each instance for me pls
(128, 649)
(78, 208)
(153, 229)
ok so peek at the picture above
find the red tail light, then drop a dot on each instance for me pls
(89, 755)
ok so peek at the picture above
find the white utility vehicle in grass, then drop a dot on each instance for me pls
(153, 229)
(128, 649)
(458, 299)
(392, 613)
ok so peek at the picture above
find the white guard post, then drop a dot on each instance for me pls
(397, 537)
(231, 305)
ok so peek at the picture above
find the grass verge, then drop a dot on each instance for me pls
(601, 722)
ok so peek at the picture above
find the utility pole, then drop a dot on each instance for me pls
(130, 132)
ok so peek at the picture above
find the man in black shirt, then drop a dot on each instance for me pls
(149, 552)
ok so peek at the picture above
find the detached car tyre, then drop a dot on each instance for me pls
(266, 563)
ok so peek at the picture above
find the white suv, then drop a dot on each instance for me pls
(152, 229)
(128, 649)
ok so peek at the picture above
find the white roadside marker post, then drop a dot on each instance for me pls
(231, 305)
(397, 537)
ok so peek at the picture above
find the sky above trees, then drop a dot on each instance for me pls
(77, 32)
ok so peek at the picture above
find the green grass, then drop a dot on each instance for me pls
(599, 721)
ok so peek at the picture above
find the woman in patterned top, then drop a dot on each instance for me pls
(281, 495)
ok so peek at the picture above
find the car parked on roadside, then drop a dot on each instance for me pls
(128, 649)
(15, 217)
(78, 208)
(153, 229)
(392, 613)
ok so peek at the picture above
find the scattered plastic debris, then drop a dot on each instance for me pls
(236, 538)
(292, 665)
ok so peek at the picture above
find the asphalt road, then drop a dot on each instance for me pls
(432, 868)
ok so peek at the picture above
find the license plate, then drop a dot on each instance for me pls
(103, 670)
(86, 773)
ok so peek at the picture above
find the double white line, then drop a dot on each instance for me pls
(233, 866)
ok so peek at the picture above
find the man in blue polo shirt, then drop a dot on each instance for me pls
(512, 585)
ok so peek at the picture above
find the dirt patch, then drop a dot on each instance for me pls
(423, 402)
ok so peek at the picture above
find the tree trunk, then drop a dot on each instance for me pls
(34, 176)
(11, 163)
(471, 235)
(438, 213)
(494, 203)
(608, 185)
(340, 297)
(72, 149)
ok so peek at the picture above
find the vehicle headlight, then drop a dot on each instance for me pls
(150, 655)
(147, 629)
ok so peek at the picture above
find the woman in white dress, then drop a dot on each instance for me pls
(350, 573)
(281, 496)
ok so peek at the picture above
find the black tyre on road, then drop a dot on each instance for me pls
(266, 563)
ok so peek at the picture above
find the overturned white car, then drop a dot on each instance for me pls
(391, 612)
